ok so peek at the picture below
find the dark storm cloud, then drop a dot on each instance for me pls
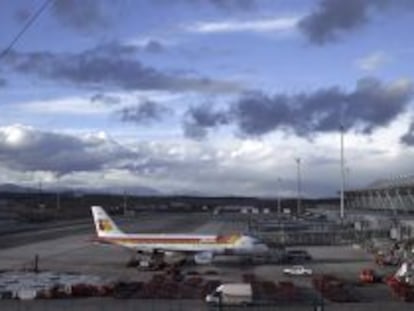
(110, 65)
(200, 118)
(256, 113)
(371, 105)
(408, 138)
(332, 18)
(143, 113)
(81, 15)
(27, 149)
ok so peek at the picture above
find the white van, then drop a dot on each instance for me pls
(231, 294)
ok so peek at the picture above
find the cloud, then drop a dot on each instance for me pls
(332, 18)
(3, 82)
(76, 106)
(248, 166)
(110, 65)
(371, 105)
(220, 167)
(408, 138)
(27, 149)
(115, 48)
(91, 15)
(83, 15)
(230, 4)
(373, 61)
(106, 99)
(149, 45)
(143, 113)
(154, 46)
(200, 118)
(265, 25)
(220, 4)
(257, 114)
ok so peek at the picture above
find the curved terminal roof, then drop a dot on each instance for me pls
(395, 182)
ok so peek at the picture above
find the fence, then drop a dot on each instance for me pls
(327, 237)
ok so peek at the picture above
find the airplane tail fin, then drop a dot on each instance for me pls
(103, 223)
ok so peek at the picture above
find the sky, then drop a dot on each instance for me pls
(206, 97)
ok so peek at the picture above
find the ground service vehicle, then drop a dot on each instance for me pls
(297, 270)
(368, 276)
(231, 294)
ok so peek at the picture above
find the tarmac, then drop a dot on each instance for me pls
(72, 250)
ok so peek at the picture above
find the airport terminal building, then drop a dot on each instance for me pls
(394, 194)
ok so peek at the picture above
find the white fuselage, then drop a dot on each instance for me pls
(231, 244)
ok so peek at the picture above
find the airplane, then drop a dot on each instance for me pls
(203, 248)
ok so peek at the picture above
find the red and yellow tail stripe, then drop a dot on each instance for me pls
(105, 225)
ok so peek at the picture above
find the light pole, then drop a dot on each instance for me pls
(298, 204)
(124, 207)
(342, 201)
(279, 207)
(347, 177)
(57, 194)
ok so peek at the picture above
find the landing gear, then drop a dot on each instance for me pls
(147, 261)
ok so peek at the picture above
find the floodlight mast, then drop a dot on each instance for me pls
(298, 207)
(279, 206)
(342, 201)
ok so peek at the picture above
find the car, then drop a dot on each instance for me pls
(297, 270)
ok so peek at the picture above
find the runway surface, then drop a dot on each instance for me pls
(70, 249)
